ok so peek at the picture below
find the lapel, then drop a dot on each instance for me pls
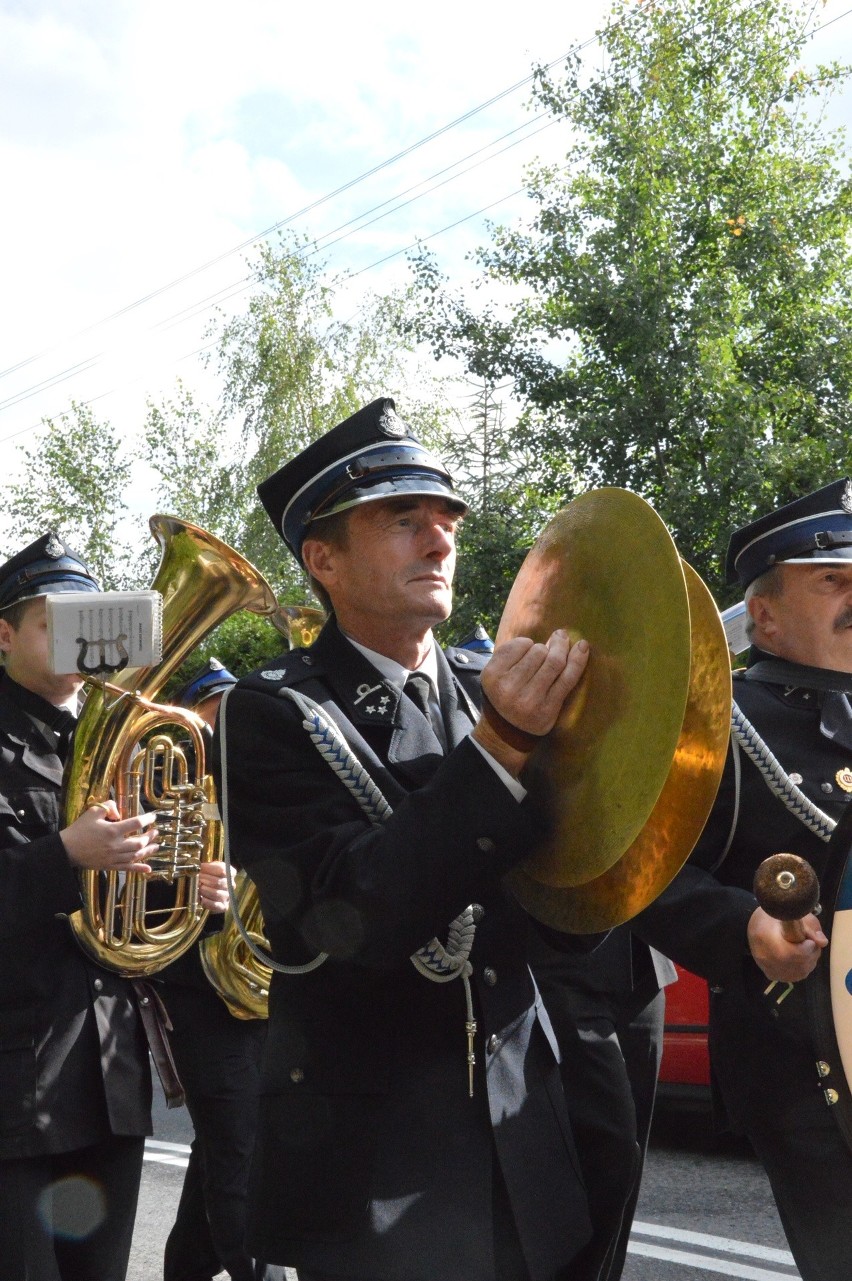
(457, 709)
(22, 731)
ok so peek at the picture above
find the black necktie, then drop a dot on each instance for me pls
(418, 689)
(64, 724)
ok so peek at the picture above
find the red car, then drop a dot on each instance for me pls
(685, 1069)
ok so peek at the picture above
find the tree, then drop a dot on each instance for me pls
(76, 475)
(292, 370)
(497, 477)
(677, 313)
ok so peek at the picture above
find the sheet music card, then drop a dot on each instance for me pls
(100, 633)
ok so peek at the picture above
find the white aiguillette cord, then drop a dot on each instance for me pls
(435, 961)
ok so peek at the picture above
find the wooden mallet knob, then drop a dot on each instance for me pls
(787, 888)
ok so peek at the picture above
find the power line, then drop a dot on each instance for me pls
(347, 228)
(309, 208)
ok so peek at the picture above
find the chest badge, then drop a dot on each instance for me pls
(843, 778)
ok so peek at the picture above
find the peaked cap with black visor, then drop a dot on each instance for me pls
(814, 530)
(47, 565)
(370, 456)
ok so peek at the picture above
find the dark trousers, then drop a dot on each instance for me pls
(810, 1170)
(70, 1217)
(218, 1059)
(611, 1046)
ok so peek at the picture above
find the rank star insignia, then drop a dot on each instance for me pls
(843, 779)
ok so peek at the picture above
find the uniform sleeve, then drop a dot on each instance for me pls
(354, 890)
(38, 883)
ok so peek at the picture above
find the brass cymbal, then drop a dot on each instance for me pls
(605, 568)
(670, 833)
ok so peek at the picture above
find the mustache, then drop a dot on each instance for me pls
(843, 619)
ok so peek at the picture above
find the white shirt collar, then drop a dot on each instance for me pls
(394, 672)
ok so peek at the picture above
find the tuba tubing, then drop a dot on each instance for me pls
(123, 749)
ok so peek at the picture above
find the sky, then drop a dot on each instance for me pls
(146, 144)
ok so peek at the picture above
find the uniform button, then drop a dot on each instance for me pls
(717, 989)
(493, 1044)
(827, 787)
(297, 1075)
(22, 813)
(477, 911)
(796, 778)
(486, 844)
(489, 976)
(307, 660)
(462, 658)
(98, 985)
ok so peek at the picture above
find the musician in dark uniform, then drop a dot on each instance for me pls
(412, 1120)
(75, 1087)
(786, 780)
(218, 1059)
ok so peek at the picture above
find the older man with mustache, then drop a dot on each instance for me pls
(791, 744)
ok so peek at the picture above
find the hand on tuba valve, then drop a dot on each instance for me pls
(100, 839)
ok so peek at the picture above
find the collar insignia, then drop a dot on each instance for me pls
(846, 498)
(53, 547)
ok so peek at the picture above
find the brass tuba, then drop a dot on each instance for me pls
(238, 976)
(125, 747)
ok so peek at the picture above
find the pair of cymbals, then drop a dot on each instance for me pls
(628, 775)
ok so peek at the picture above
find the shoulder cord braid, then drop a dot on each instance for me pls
(434, 961)
(777, 779)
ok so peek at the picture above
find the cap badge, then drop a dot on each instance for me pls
(846, 498)
(843, 778)
(53, 547)
(391, 424)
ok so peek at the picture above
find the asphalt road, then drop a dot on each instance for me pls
(705, 1209)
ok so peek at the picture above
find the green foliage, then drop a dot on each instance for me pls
(291, 371)
(508, 509)
(75, 476)
(243, 642)
(677, 313)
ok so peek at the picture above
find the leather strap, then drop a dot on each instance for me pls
(519, 739)
(157, 1024)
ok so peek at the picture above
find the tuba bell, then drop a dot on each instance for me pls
(146, 756)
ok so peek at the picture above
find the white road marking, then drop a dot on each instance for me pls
(707, 1262)
(167, 1153)
(727, 1244)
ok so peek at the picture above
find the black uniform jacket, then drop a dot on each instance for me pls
(73, 1058)
(761, 1051)
(372, 1158)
